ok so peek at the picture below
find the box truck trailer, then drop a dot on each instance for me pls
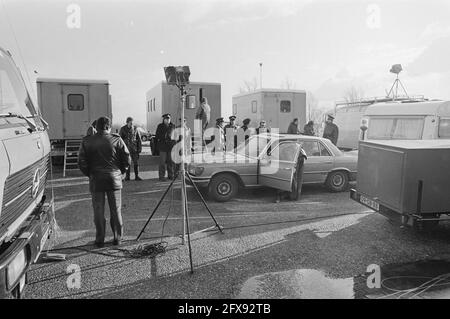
(277, 107)
(70, 106)
(413, 188)
(164, 98)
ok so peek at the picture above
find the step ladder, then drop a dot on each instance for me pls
(71, 149)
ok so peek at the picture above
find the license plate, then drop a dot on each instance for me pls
(368, 202)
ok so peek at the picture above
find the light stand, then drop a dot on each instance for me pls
(179, 76)
(396, 69)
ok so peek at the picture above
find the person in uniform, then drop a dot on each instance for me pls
(331, 130)
(104, 157)
(231, 133)
(132, 139)
(246, 129)
(187, 140)
(308, 129)
(164, 136)
(262, 128)
(218, 139)
(293, 127)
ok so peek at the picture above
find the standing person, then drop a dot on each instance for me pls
(262, 128)
(91, 130)
(203, 113)
(165, 142)
(308, 129)
(246, 129)
(218, 139)
(231, 131)
(104, 157)
(186, 139)
(331, 130)
(132, 139)
(293, 127)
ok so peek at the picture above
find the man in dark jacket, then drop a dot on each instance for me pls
(308, 129)
(132, 138)
(104, 157)
(165, 140)
(331, 130)
(293, 127)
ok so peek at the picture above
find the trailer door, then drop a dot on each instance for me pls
(75, 102)
(285, 112)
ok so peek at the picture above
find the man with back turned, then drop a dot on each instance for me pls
(104, 157)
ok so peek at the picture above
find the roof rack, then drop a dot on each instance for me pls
(373, 100)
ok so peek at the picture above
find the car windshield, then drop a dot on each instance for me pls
(253, 146)
(13, 95)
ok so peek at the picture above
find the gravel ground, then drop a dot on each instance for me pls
(266, 250)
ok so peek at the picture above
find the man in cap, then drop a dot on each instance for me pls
(231, 133)
(165, 142)
(246, 129)
(132, 139)
(331, 131)
(218, 139)
(104, 157)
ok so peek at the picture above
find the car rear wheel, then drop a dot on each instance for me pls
(337, 181)
(223, 187)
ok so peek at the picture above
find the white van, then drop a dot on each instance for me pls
(407, 121)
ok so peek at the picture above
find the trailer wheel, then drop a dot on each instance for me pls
(337, 181)
(426, 225)
(223, 187)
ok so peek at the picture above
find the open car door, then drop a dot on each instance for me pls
(277, 168)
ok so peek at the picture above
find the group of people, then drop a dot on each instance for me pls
(331, 130)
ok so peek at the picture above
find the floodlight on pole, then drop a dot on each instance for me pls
(396, 69)
(260, 75)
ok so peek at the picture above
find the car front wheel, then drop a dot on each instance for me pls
(337, 181)
(223, 187)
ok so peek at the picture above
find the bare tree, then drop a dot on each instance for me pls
(287, 84)
(249, 86)
(315, 113)
(353, 94)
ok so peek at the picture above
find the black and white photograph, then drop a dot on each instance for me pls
(224, 155)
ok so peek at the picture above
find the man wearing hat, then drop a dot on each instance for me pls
(262, 128)
(132, 139)
(218, 139)
(231, 133)
(164, 137)
(246, 129)
(331, 130)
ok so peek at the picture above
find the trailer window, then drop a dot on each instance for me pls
(75, 102)
(395, 128)
(254, 106)
(191, 103)
(444, 128)
(285, 106)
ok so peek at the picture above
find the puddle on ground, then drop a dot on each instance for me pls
(428, 279)
(297, 284)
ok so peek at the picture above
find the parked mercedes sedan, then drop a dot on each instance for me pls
(270, 160)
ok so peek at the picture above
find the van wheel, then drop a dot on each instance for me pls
(223, 187)
(337, 181)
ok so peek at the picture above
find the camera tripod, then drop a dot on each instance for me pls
(186, 210)
(183, 175)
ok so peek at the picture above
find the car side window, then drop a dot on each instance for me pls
(323, 150)
(311, 148)
(285, 152)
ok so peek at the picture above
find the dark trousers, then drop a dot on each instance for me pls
(165, 161)
(135, 160)
(115, 205)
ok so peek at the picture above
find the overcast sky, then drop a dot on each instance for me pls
(320, 46)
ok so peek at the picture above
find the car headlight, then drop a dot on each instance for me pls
(16, 268)
(196, 170)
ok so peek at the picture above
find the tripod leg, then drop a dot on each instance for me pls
(155, 209)
(204, 202)
(187, 226)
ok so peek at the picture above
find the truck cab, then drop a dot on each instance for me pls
(26, 210)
